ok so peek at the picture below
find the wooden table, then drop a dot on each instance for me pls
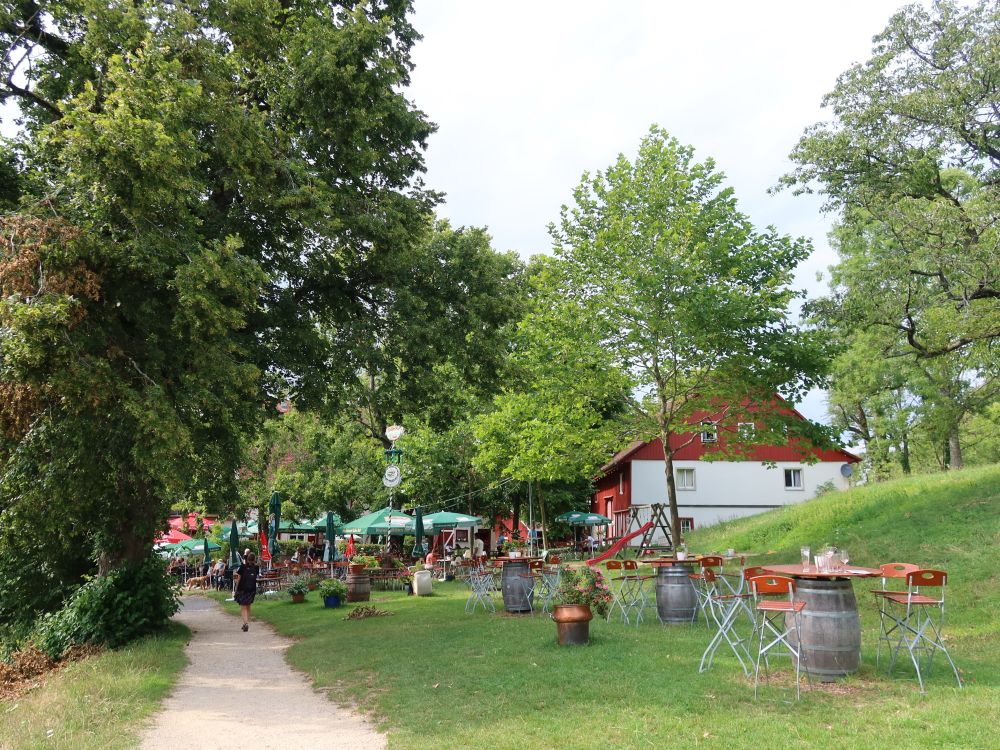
(831, 627)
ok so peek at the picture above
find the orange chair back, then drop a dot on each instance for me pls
(927, 577)
(555, 560)
(897, 570)
(630, 565)
(711, 561)
(613, 565)
(535, 565)
(770, 585)
(709, 575)
(753, 571)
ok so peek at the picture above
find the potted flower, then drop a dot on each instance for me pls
(582, 593)
(514, 547)
(333, 591)
(298, 590)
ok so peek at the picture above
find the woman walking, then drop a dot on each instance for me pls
(246, 586)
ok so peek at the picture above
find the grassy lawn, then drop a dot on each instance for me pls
(97, 703)
(435, 677)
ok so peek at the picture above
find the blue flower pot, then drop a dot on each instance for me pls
(331, 601)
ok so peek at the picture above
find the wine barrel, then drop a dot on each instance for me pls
(676, 599)
(831, 628)
(516, 586)
(359, 587)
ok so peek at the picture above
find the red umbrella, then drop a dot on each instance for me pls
(172, 537)
(349, 549)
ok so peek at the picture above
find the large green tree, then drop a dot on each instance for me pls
(687, 298)
(205, 191)
(912, 154)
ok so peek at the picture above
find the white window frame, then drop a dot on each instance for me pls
(687, 524)
(681, 485)
(746, 430)
(791, 474)
(710, 436)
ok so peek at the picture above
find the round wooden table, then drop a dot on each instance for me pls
(676, 598)
(831, 626)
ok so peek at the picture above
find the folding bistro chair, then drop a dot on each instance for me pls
(725, 609)
(616, 583)
(919, 619)
(888, 629)
(634, 589)
(532, 584)
(701, 588)
(482, 588)
(775, 604)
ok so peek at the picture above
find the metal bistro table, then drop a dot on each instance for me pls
(516, 583)
(831, 627)
(676, 598)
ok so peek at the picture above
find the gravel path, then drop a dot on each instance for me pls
(239, 692)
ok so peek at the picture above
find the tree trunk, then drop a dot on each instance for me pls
(954, 449)
(675, 518)
(904, 457)
(541, 513)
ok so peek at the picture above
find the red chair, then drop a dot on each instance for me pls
(777, 608)
(919, 619)
(888, 627)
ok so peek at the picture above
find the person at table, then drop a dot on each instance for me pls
(430, 560)
(296, 556)
(478, 548)
(218, 572)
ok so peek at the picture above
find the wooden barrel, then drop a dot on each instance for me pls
(517, 589)
(676, 599)
(359, 587)
(831, 628)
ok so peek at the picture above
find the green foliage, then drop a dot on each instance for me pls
(299, 585)
(332, 587)
(584, 585)
(369, 561)
(111, 610)
(688, 300)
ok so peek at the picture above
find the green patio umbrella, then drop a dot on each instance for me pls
(330, 550)
(234, 545)
(418, 531)
(375, 523)
(274, 508)
(205, 540)
(443, 519)
(195, 546)
(581, 518)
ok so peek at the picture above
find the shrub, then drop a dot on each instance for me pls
(333, 587)
(111, 610)
(369, 561)
(299, 585)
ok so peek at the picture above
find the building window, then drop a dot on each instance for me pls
(709, 433)
(685, 479)
(747, 431)
(793, 479)
(687, 524)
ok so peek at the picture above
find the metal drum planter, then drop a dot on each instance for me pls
(572, 624)
(516, 585)
(676, 599)
(359, 587)
(831, 629)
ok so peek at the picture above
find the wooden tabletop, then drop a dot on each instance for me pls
(516, 559)
(797, 571)
(658, 561)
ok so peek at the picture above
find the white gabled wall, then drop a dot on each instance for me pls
(728, 489)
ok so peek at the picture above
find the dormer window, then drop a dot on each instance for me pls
(709, 432)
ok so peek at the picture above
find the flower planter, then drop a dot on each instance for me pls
(313, 586)
(298, 598)
(572, 623)
(331, 601)
(356, 569)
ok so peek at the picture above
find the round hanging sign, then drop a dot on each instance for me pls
(284, 406)
(394, 432)
(392, 476)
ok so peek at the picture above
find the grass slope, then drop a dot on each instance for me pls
(437, 677)
(98, 703)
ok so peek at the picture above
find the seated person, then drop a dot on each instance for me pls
(430, 559)
(218, 572)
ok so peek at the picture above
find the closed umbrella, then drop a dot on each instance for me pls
(234, 546)
(274, 508)
(349, 549)
(418, 530)
(329, 550)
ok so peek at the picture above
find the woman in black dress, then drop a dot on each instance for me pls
(246, 586)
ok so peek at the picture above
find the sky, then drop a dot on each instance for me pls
(528, 95)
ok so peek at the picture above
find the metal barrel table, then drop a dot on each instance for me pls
(676, 598)
(516, 584)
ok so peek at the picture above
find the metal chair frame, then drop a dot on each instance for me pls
(634, 589)
(772, 624)
(888, 627)
(725, 609)
(482, 589)
(919, 620)
(617, 586)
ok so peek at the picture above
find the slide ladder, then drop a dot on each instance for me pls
(614, 548)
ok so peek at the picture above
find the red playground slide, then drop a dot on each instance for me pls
(613, 549)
